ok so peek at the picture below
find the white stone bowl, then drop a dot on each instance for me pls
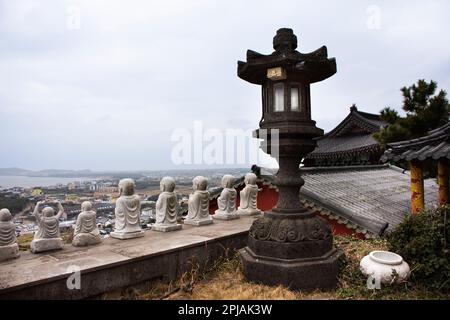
(381, 265)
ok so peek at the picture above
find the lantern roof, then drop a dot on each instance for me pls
(306, 67)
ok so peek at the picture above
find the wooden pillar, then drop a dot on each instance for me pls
(443, 181)
(417, 193)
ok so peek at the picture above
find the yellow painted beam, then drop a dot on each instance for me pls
(417, 192)
(443, 181)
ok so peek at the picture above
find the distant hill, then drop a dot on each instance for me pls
(117, 174)
(13, 172)
(45, 173)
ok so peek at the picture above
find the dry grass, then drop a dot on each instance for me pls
(228, 282)
(225, 280)
(24, 240)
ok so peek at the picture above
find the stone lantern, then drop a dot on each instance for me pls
(289, 245)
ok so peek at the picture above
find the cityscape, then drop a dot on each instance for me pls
(102, 190)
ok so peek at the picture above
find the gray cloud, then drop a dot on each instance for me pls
(108, 95)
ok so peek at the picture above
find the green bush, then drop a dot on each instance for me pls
(423, 241)
(14, 204)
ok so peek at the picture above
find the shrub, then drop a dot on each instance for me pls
(14, 204)
(422, 240)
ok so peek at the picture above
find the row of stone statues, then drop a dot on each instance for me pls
(127, 214)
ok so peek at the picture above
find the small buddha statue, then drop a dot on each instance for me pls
(198, 204)
(166, 207)
(128, 212)
(47, 236)
(227, 200)
(249, 196)
(86, 230)
(9, 249)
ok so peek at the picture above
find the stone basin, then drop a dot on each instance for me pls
(386, 257)
(384, 267)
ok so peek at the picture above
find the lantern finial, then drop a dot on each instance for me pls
(285, 40)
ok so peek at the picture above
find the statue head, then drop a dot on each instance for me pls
(5, 215)
(48, 212)
(199, 183)
(126, 187)
(250, 178)
(227, 181)
(86, 206)
(167, 184)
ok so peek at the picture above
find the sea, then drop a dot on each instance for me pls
(29, 182)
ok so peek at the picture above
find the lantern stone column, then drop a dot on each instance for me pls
(417, 190)
(290, 245)
(443, 177)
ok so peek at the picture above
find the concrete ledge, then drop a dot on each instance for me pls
(118, 263)
(166, 228)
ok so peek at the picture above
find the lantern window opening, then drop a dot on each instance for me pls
(267, 100)
(278, 97)
(295, 98)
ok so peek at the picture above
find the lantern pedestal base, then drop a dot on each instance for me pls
(292, 249)
(296, 274)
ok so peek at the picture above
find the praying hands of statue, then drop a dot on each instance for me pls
(36, 210)
(61, 212)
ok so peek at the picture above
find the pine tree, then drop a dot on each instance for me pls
(424, 109)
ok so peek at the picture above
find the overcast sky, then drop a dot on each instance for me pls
(103, 84)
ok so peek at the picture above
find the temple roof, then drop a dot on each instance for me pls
(434, 146)
(308, 67)
(352, 136)
(371, 199)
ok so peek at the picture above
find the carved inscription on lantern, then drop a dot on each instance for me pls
(276, 73)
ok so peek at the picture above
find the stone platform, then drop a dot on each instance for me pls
(115, 263)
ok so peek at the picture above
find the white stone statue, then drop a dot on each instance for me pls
(249, 195)
(198, 204)
(166, 207)
(47, 236)
(9, 249)
(128, 212)
(86, 230)
(227, 200)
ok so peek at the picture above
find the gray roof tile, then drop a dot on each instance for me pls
(368, 196)
(378, 192)
(435, 145)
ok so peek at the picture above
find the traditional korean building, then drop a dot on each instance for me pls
(347, 184)
(350, 143)
(432, 148)
(363, 201)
